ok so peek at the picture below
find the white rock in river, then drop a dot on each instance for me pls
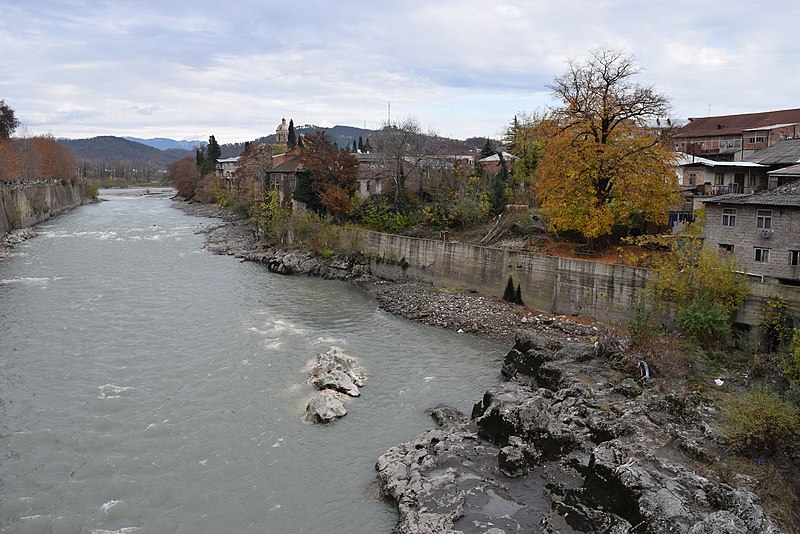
(324, 407)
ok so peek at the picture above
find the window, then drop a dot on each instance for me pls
(764, 219)
(794, 257)
(724, 249)
(719, 178)
(755, 140)
(762, 255)
(728, 216)
(692, 178)
(751, 180)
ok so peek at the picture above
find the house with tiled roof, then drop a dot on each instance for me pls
(284, 173)
(736, 137)
(761, 230)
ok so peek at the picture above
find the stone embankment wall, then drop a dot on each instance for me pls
(604, 292)
(27, 204)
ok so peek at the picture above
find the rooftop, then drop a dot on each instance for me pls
(785, 195)
(688, 159)
(786, 152)
(736, 124)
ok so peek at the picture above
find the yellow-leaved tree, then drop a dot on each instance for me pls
(606, 160)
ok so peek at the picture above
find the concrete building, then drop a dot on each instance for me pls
(736, 137)
(761, 230)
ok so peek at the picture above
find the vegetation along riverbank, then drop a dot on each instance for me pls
(623, 428)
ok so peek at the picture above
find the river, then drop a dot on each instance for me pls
(149, 386)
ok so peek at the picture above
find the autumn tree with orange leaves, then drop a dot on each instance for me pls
(331, 175)
(604, 163)
(39, 157)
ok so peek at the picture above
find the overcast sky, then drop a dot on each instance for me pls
(233, 69)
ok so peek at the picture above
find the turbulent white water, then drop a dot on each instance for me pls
(148, 386)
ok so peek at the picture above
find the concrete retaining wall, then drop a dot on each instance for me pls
(605, 292)
(27, 204)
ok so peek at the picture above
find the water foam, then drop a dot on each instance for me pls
(111, 391)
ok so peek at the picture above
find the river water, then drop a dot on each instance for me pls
(149, 386)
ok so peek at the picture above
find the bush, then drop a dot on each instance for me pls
(641, 325)
(310, 230)
(778, 323)
(791, 366)
(697, 273)
(759, 422)
(705, 322)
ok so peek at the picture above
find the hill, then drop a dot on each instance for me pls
(162, 143)
(112, 149)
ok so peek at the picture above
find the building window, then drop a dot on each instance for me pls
(719, 178)
(724, 249)
(728, 216)
(762, 255)
(755, 140)
(751, 180)
(764, 219)
(794, 257)
(692, 178)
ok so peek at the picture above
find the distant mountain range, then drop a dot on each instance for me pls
(162, 143)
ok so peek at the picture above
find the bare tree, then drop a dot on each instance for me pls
(403, 146)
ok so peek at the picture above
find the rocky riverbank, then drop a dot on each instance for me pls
(570, 442)
(10, 241)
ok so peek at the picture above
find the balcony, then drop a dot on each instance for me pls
(723, 189)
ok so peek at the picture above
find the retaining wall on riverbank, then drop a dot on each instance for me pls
(27, 204)
(605, 292)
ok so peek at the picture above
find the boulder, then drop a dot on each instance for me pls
(325, 407)
(336, 370)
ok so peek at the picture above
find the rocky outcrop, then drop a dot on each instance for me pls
(335, 374)
(609, 456)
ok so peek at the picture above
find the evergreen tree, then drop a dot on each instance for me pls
(499, 192)
(488, 149)
(200, 159)
(206, 162)
(8, 121)
(355, 147)
(291, 140)
(508, 294)
(213, 151)
(360, 144)
(300, 141)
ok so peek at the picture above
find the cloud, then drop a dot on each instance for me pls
(167, 69)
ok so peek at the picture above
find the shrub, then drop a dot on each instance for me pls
(759, 422)
(641, 325)
(778, 323)
(791, 366)
(697, 273)
(705, 322)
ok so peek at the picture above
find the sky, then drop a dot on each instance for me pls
(234, 69)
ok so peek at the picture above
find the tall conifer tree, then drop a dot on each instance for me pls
(291, 140)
